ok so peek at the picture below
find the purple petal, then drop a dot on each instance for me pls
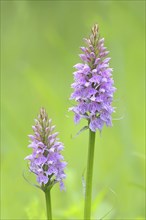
(79, 66)
(77, 118)
(41, 178)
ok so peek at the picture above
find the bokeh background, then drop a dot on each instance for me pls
(40, 44)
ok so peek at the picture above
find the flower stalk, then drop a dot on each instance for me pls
(89, 177)
(48, 204)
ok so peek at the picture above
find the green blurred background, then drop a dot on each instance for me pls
(40, 44)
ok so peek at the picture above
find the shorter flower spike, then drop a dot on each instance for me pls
(46, 161)
(93, 84)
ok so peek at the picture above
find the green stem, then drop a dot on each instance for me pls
(88, 192)
(48, 204)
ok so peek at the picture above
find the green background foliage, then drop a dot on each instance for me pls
(40, 44)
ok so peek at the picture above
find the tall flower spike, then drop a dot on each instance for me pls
(46, 160)
(93, 84)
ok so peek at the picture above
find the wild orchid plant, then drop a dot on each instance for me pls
(46, 161)
(93, 92)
